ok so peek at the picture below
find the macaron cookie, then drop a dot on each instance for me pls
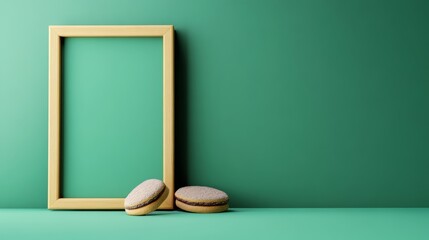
(146, 197)
(200, 199)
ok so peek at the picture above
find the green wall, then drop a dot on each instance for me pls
(317, 103)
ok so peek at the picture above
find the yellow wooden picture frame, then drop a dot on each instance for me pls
(55, 200)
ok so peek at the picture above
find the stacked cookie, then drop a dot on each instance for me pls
(201, 199)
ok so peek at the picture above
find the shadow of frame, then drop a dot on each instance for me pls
(181, 140)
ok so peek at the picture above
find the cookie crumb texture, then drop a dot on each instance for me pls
(201, 194)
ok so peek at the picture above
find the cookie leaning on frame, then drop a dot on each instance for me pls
(146, 197)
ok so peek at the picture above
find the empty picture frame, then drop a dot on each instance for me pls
(56, 36)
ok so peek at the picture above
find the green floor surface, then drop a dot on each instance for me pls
(236, 224)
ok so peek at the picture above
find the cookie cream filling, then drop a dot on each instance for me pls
(207, 204)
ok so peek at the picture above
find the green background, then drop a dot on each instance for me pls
(112, 115)
(314, 103)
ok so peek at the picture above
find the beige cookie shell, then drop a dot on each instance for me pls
(144, 193)
(201, 209)
(200, 194)
(150, 207)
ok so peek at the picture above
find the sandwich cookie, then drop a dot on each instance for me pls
(146, 197)
(201, 199)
